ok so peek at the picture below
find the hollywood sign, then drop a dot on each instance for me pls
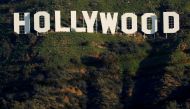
(109, 22)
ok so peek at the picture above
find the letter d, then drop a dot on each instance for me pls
(171, 22)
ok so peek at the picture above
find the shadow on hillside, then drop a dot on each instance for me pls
(149, 75)
(93, 91)
(91, 61)
(181, 95)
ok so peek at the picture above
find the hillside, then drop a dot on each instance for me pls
(94, 71)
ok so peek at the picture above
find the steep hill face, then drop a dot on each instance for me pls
(94, 71)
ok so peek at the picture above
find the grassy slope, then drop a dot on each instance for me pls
(61, 47)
